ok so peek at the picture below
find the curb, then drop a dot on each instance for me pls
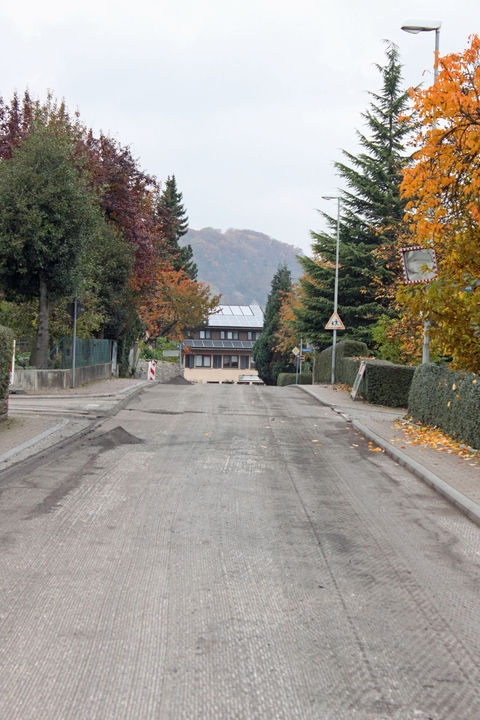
(71, 438)
(136, 386)
(461, 501)
(33, 441)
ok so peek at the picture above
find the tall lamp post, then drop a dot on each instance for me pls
(415, 27)
(335, 294)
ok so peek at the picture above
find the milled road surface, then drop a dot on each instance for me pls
(233, 553)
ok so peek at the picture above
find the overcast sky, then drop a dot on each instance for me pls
(248, 102)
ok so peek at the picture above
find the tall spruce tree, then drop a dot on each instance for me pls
(268, 362)
(174, 222)
(372, 213)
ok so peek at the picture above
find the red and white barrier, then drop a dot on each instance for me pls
(151, 370)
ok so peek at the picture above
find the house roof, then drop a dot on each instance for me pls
(244, 316)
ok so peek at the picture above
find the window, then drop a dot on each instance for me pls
(251, 335)
(230, 361)
(202, 360)
(252, 363)
(189, 361)
(228, 334)
(217, 361)
(244, 364)
(205, 334)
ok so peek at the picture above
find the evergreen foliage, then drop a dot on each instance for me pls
(372, 212)
(343, 349)
(447, 399)
(268, 362)
(174, 223)
(291, 379)
(6, 344)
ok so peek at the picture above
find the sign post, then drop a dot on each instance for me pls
(334, 324)
(420, 267)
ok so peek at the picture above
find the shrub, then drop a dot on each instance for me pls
(6, 347)
(344, 348)
(388, 384)
(447, 399)
(155, 351)
(289, 379)
(383, 383)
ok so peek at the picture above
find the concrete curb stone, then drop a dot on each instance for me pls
(461, 501)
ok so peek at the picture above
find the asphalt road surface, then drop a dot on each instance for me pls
(228, 552)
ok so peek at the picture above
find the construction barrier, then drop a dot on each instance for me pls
(151, 370)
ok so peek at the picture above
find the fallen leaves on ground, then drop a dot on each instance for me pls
(341, 387)
(374, 449)
(424, 436)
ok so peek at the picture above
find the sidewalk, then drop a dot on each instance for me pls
(455, 477)
(37, 420)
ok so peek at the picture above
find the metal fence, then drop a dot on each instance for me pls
(89, 351)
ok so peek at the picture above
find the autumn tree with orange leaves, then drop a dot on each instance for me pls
(442, 185)
(173, 302)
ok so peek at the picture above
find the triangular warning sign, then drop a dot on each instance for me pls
(335, 323)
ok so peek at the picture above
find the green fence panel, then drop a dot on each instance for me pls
(88, 351)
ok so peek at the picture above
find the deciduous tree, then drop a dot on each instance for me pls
(442, 186)
(47, 217)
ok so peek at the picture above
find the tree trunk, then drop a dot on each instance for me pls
(40, 354)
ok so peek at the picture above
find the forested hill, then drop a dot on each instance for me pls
(240, 264)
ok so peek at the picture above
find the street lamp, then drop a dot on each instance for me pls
(335, 294)
(415, 27)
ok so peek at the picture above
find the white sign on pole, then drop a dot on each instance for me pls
(296, 351)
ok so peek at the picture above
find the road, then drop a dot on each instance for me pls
(228, 552)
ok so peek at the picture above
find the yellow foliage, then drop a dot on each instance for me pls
(442, 185)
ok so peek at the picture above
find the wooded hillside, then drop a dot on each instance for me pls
(240, 264)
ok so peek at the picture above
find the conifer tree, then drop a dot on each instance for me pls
(268, 361)
(372, 213)
(174, 223)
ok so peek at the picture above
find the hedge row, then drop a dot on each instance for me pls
(383, 383)
(449, 400)
(290, 378)
(344, 348)
(6, 343)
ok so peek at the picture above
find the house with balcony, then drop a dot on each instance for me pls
(221, 352)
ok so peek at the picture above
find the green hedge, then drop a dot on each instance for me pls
(289, 379)
(6, 348)
(447, 399)
(344, 348)
(383, 383)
